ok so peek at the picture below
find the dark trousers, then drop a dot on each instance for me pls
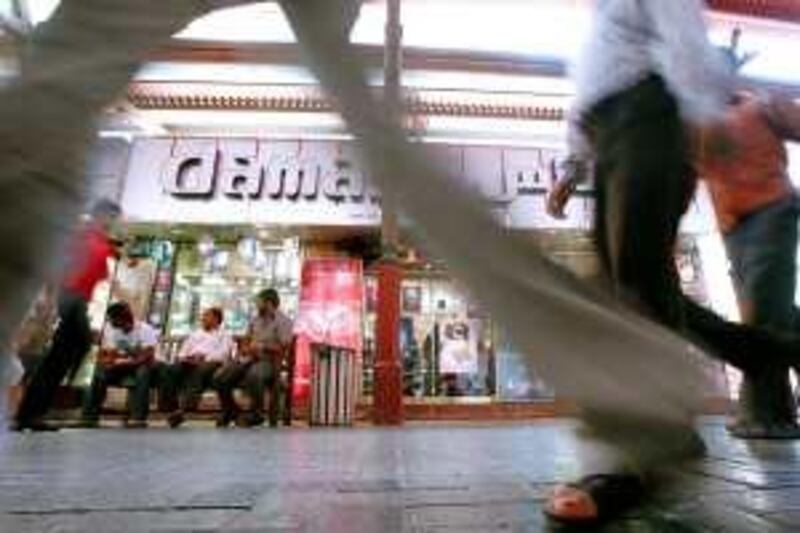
(71, 341)
(30, 362)
(253, 377)
(184, 384)
(762, 250)
(138, 396)
(645, 183)
(159, 376)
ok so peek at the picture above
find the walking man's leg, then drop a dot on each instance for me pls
(71, 341)
(11, 372)
(642, 185)
(762, 250)
(642, 178)
(642, 167)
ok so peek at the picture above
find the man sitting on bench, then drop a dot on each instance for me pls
(127, 351)
(200, 356)
(269, 335)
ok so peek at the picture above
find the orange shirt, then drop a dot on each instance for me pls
(752, 177)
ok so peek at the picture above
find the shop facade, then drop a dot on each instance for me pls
(240, 174)
(233, 171)
(214, 220)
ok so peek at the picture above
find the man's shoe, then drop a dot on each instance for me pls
(88, 423)
(224, 420)
(136, 424)
(36, 426)
(250, 421)
(175, 419)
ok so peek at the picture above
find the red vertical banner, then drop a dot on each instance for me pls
(330, 312)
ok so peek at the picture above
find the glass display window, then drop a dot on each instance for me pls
(229, 275)
(446, 345)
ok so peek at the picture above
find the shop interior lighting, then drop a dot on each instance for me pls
(248, 248)
(206, 246)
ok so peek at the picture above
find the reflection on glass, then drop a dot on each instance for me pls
(446, 346)
(516, 379)
(229, 279)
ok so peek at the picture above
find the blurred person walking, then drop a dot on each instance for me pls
(86, 266)
(757, 211)
(647, 70)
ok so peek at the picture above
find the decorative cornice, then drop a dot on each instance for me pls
(183, 96)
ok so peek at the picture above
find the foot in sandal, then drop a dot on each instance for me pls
(595, 499)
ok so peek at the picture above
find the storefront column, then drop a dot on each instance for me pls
(388, 395)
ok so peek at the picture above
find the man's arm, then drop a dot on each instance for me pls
(187, 347)
(576, 168)
(144, 356)
(576, 172)
(107, 356)
(146, 351)
(283, 338)
(108, 352)
(285, 334)
(222, 349)
(274, 347)
(247, 348)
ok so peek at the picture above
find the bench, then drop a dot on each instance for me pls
(280, 401)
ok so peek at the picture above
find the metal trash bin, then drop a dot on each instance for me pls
(333, 386)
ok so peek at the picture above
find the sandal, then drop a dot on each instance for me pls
(594, 499)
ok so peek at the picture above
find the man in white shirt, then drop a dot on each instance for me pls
(648, 70)
(269, 335)
(756, 209)
(200, 356)
(128, 349)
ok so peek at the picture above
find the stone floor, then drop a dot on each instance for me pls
(421, 478)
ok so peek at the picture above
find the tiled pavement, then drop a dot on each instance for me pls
(421, 478)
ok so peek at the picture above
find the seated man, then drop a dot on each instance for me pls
(268, 337)
(127, 350)
(200, 356)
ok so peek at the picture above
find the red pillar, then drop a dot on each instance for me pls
(388, 390)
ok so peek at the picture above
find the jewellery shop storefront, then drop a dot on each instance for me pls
(216, 220)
